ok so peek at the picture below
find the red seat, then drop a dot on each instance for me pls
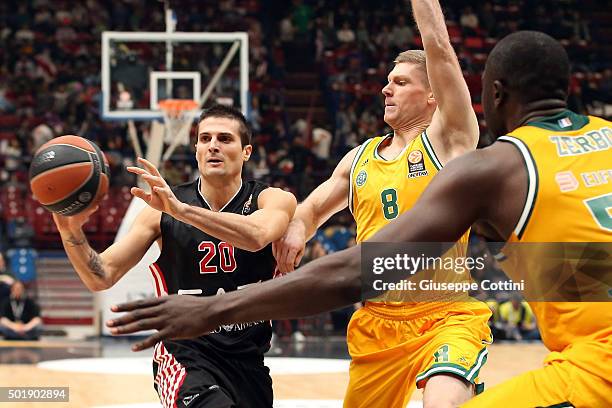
(109, 224)
(91, 226)
(7, 135)
(9, 121)
(454, 33)
(489, 43)
(474, 43)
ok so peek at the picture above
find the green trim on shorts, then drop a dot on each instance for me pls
(442, 368)
(481, 359)
(469, 374)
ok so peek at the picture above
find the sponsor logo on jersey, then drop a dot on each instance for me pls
(365, 162)
(361, 178)
(566, 181)
(416, 164)
(596, 178)
(234, 327)
(246, 209)
(188, 400)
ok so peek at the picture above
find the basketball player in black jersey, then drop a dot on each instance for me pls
(215, 235)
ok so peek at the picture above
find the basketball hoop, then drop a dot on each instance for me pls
(178, 115)
(177, 109)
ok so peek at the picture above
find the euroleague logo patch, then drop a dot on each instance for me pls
(361, 178)
(416, 164)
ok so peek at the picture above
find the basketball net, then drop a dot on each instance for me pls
(178, 117)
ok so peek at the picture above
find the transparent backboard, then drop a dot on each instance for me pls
(141, 68)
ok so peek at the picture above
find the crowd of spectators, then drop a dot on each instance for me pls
(50, 80)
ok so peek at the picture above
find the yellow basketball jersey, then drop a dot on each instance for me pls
(568, 158)
(380, 190)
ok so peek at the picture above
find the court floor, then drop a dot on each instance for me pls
(105, 373)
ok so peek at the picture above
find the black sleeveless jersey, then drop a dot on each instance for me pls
(195, 263)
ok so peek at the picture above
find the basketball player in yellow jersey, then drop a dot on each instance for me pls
(546, 179)
(428, 105)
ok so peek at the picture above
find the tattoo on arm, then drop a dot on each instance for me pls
(74, 241)
(95, 264)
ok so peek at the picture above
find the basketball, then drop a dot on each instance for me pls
(69, 174)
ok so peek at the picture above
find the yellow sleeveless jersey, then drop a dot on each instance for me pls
(380, 190)
(568, 158)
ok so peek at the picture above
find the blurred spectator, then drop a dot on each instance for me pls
(302, 18)
(287, 31)
(384, 39)
(345, 34)
(516, 320)
(321, 143)
(20, 316)
(294, 331)
(403, 36)
(20, 234)
(469, 21)
(363, 36)
(580, 28)
(487, 19)
(41, 135)
(5, 104)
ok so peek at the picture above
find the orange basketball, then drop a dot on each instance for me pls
(69, 174)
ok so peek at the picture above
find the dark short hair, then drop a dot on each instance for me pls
(533, 64)
(229, 112)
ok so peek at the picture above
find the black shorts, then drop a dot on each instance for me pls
(212, 382)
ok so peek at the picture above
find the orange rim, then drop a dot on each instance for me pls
(176, 107)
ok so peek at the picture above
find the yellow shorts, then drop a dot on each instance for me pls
(577, 377)
(395, 348)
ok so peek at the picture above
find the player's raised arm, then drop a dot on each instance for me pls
(454, 128)
(101, 271)
(324, 201)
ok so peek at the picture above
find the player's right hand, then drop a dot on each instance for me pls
(289, 250)
(74, 222)
(161, 196)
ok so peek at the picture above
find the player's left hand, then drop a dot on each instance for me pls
(174, 317)
(161, 196)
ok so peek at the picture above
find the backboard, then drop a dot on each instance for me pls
(141, 68)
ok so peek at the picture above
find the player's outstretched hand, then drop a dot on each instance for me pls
(289, 250)
(161, 196)
(174, 317)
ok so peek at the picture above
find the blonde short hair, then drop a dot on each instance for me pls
(415, 57)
